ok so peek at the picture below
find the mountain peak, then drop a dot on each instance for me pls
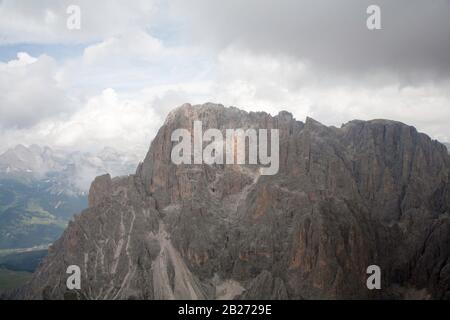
(343, 199)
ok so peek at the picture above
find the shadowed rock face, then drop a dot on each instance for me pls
(374, 192)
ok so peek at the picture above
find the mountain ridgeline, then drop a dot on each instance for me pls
(42, 188)
(368, 193)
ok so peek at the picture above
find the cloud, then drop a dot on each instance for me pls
(45, 21)
(23, 59)
(109, 120)
(144, 80)
(270, 83)
(132, 61)
(30, 91)
(312, 60)
(127, 122)
(414, 42)
(106, 119)
(136, 45)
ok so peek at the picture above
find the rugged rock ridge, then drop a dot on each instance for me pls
(374, 192)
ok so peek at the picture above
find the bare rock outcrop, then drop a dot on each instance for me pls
(370, 192)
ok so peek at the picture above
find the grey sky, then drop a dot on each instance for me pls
(414, 40)
(112, 82)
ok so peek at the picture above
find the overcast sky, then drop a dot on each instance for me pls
(112, 82)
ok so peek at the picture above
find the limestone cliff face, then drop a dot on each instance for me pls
(374, 192)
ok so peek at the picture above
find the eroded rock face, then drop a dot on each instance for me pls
(374, 192)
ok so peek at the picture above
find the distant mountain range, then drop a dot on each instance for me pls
(41, 189)
(66, 172)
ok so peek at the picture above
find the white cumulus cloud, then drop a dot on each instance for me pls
(30, 91)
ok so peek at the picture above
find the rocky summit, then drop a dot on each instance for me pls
(368, 193)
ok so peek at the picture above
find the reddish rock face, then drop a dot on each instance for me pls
(370, 192)
(100, 191)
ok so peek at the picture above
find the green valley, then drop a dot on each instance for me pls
(30, 215)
